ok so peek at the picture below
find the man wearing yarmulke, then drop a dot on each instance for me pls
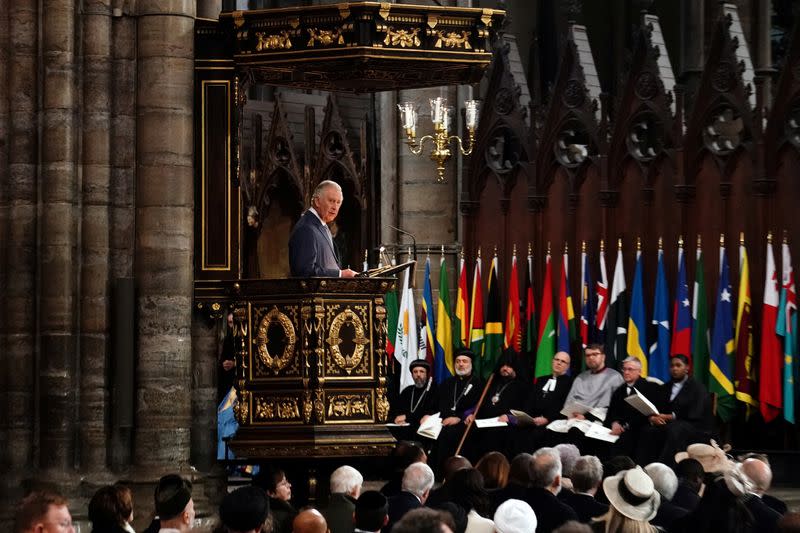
(244, 510)
(174, 505)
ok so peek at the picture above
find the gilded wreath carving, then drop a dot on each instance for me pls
(324, 37)
(348, 405)
(280, 41)
(345, 361)
(453, 40)
(402, 38)
(283, 408)
(273, 362)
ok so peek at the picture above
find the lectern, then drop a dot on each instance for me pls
(311, 367)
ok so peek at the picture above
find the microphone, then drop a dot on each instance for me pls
(413, 239)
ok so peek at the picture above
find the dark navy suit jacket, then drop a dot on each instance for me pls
(311, 252)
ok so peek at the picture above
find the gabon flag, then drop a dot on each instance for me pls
(513, 329)
(443, 357)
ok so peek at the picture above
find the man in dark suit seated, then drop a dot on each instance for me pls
(684, 416)
(415, 488)
(760, 475)
(587, 474)
(545, 485)
(311, 250)
(624, 419)
(345, 486)
(665, 482)
(543, 405)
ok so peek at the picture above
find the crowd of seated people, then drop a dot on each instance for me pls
(664, 473)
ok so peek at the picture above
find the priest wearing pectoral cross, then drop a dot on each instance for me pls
(415, 401)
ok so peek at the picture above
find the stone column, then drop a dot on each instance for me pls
(389, 145)
(164, 233)
(209, 9)
(4, 221)
(57, 251)
(692, 47)
(95, 288)
(19, 248)
(763, 47)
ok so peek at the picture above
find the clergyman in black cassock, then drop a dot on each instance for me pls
(414, 402)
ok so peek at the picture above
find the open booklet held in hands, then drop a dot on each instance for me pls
(431, 427)
(640, 402)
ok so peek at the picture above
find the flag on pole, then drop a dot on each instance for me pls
(602, 297)
(513, 329)
(617, 321)
(701, 340)
(588, 331)
(745, 371)
(547, 327)
(406, 340)
(658, 366)
(769, 376)
(461, 323)
(722, 347)
(681, 310)
(476, 316)
(392, 312)
(443, 360)
(787, 328)
(530, 307)
(427, 319)
(637, 322)
(493, 347)
(566, 312)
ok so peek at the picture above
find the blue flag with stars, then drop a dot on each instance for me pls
(722, 345)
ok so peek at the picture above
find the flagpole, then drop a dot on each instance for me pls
(475, 413)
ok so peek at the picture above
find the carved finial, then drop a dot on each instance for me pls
(428, 253)
(741, 238)
(462, 252)
(479, 252)
(699, 241)
(638, 244)
(583, 247)
(602, 245)
(769, 237)
(566, 247)
(495, 251)
(548, 247)
(443, 250)
(514, 250)
(722, 239)
(680, 241)
(660, 243)
(366, 255)
(619, 244)
(530, 249)
(785, 237)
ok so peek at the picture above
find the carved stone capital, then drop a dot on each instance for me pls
(684, 193)
(537, 203)
(468, 207)
(764, 187)
(609, 198)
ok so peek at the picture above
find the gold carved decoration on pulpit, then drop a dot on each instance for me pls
(349, 407)
(273, 361)
(319, 406)
(242, 408)
(280, 41)
(347, 361)
(453, 40)
(277, 409)
(402, 38)
(382, 406)
(307, 406)
(325, 37)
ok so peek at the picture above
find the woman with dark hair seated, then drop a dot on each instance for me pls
(494, 467)
(466, 490)
(519, 478)
(273, 481)
(110, 509)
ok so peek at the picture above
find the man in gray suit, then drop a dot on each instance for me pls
(311, 251)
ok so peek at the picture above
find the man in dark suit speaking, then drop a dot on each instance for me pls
(311, 251)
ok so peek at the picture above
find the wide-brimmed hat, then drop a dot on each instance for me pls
(632, 493)
(515, 516)
(711, 456)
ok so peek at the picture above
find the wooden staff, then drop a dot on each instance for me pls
(475, 414)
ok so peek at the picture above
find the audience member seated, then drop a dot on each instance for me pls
(612, 467)
(457, 395)
(690, 483)
(458, 514)
(425, 521)
(273, 481)
(545, 472)
(494, 468)
(684, 416)
(633, 503)
(244, 510)
(43, 512)
(625, 420)
(466, 490)
(543, 405)
(519, 480)
(759, 475)
(345, 487)
(569, 454)
(666, 483)
(107, 511)
(514, 516)
(309, 521)
(174, 504)
(371, 512)
(451, 466)
(415, 401)
(415, 488)
(506, 392)
(404, 454)
(126, 505)
(762, 479)
(587, 474)
(593, 387)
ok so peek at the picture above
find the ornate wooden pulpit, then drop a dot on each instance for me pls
(311, 365)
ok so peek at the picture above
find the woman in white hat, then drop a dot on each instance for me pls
(634, 502)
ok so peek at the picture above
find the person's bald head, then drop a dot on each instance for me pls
(309, 521)
(759, 473)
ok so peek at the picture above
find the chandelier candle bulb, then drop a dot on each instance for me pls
(471, 114)
(438, 106)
